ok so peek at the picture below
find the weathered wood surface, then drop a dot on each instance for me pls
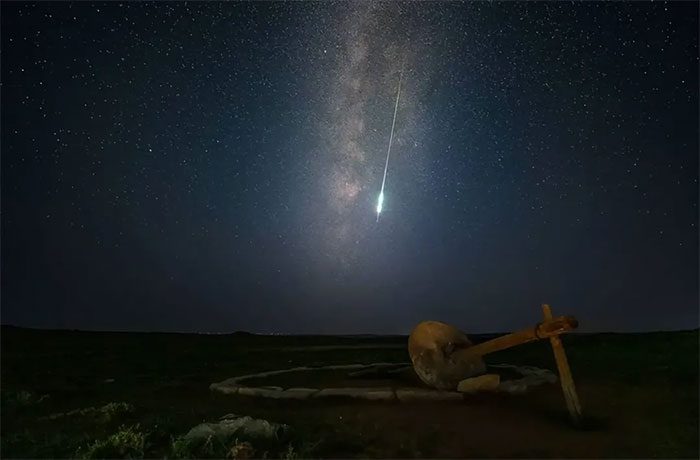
(565, 377)
(551, 327)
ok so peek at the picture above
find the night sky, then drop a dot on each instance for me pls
(215, 167)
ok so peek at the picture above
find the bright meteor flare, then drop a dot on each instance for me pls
(380, 200)
(379, 204)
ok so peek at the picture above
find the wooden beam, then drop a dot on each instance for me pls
(565, 377)
(549, 328)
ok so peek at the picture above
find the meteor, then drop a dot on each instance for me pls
(379, 204)
(380, 200)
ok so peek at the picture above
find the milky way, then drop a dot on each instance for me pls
(374, 47)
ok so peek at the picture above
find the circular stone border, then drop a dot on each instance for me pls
(532, 376)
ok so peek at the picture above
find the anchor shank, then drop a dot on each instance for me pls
(546, 329)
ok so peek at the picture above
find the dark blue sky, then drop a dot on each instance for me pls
(215, 167)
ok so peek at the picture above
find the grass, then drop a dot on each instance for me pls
(69, 394)
(127, 442)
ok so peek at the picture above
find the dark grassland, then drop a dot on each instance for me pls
(639, 393)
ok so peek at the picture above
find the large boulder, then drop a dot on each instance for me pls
(432, 346)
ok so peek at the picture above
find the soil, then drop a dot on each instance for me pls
(639, 394)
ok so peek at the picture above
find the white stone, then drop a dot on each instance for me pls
(360, 393)
(487, 382)
(252, 391)
(298, 393)
(248, 426)
(420, 394)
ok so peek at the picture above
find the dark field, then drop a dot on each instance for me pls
(639, 393)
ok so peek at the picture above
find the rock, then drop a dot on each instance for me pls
(281, 394)
(225, 388)
(264, 392)
(535, 375)
(487, 382)
(360, 393)
(202, 431)
(372, 371)
(298, 393)
(532, 377)
(420, 394)
(432, 346)
(382, 394)
(402, 370)
(513, 386)
(239, 426)
(342, 367)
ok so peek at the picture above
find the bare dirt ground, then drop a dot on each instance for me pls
(639, 393)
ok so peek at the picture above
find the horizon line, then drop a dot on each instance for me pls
(359, 334)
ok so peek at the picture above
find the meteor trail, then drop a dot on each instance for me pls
(380, 200)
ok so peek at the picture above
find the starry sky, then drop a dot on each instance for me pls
(214, 167)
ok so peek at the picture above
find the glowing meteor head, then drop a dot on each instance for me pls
(380, 202)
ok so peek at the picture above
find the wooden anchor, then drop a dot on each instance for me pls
(443, 356)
